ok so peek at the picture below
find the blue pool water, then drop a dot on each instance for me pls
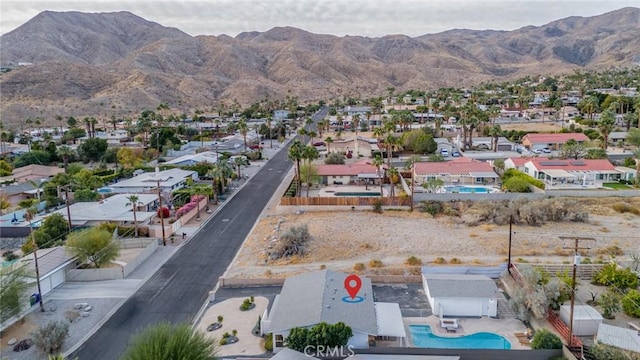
(422, 337)
(469, 189)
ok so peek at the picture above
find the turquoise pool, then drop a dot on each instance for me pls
(422, 337)
(469, 189)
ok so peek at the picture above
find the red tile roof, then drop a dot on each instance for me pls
(346, 169)
(573, 165)
(558, 138)
(457, 166)
(520, 161)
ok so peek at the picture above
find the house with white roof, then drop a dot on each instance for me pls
(626, 339)
(210, 157)
(320, 296)
(568, 173)
(115, 209)
(169, 180)
(461, 294)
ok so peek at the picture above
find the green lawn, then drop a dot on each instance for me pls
(617, 186)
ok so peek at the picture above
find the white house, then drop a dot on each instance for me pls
(461, 294)
(169, 180)
(52, 266)
(210, 157)
(112, 209)
(320, 296)
(571, 173)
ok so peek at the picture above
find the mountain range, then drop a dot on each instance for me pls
(104, 64)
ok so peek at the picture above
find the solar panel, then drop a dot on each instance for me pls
(578, 163)
(553, 163)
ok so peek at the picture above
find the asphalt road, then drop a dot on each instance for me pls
(177, 291)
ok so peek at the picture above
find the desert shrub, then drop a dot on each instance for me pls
(440, 260)
(612, 275)
(622, 207)
(516, 185)
(610, 304)
(413, 261)
(268, 342)
(631, 303)
(292, 242)
(9, 255)
(455, 261)
(166, 341)
(377, 206)
(247, 304)
(375, 263)
(432, 207)
(334, 158)
(359, 267)
(529, 212)
(610, 250)
(605, 352)
(50, 337)
(545, 339)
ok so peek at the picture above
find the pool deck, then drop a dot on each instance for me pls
(505, 327)
(329, 191)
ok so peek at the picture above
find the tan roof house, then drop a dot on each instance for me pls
(459, 171)
(345, 174)
(33, 172)
(551, 141)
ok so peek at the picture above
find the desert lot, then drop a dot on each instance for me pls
(341, 239)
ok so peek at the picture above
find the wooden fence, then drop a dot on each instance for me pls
(345, 201)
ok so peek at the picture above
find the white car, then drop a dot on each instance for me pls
(546, 151)
(444, 152)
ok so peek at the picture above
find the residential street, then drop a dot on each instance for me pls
(177, 291)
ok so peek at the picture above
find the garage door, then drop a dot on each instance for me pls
(57, 278)
(462, 307)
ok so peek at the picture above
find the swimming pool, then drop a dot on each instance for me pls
(422, 337)
(470, 189)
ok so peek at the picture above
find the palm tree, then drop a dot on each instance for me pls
(243, 128)
(270, 136)
(606, 125)
(495, 131)
(134, 202)
(217, 176)
(238, 161)
(356, 124)
(633, 138)
(329, 141)
(378, 162)
(309, 153)
(65, 152)
(295, 153)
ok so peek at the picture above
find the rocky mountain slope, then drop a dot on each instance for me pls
(119, 64)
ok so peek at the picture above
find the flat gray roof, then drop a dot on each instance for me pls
(458, 285)
(315, 297)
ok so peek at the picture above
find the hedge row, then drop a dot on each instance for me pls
(511, 173)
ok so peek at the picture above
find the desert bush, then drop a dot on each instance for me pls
(50, 337)
(375, 263)
(610, 250)
(545, 339)
(413, 261)
(605, 352)
(359, 267)
(432, 207)
(9, 255)
(513, 173)
(610, 304)
(440, 260)
(622, 208)
(268, 342)
(166, 341)
(516, 185)
(529, 212)
(612, 275)
(631, 303)
(334, 158)
(455, 261)
(292, 242)
(377, 206)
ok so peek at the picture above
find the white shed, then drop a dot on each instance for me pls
(585, 319)
(461, 294)
(52, 265)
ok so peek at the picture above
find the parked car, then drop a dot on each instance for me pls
(318, 143)
(444, 152)
(536, 151)
(546, 150)
(455, 154)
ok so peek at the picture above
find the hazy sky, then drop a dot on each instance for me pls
(372, 18)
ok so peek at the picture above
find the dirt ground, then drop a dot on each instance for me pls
(530, 127)
(340, 240)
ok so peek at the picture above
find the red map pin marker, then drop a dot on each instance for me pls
(352, 284)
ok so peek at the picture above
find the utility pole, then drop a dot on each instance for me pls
(413, 182)
(576, 259)
(510, 235)
(161, 213)
(66, 201)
